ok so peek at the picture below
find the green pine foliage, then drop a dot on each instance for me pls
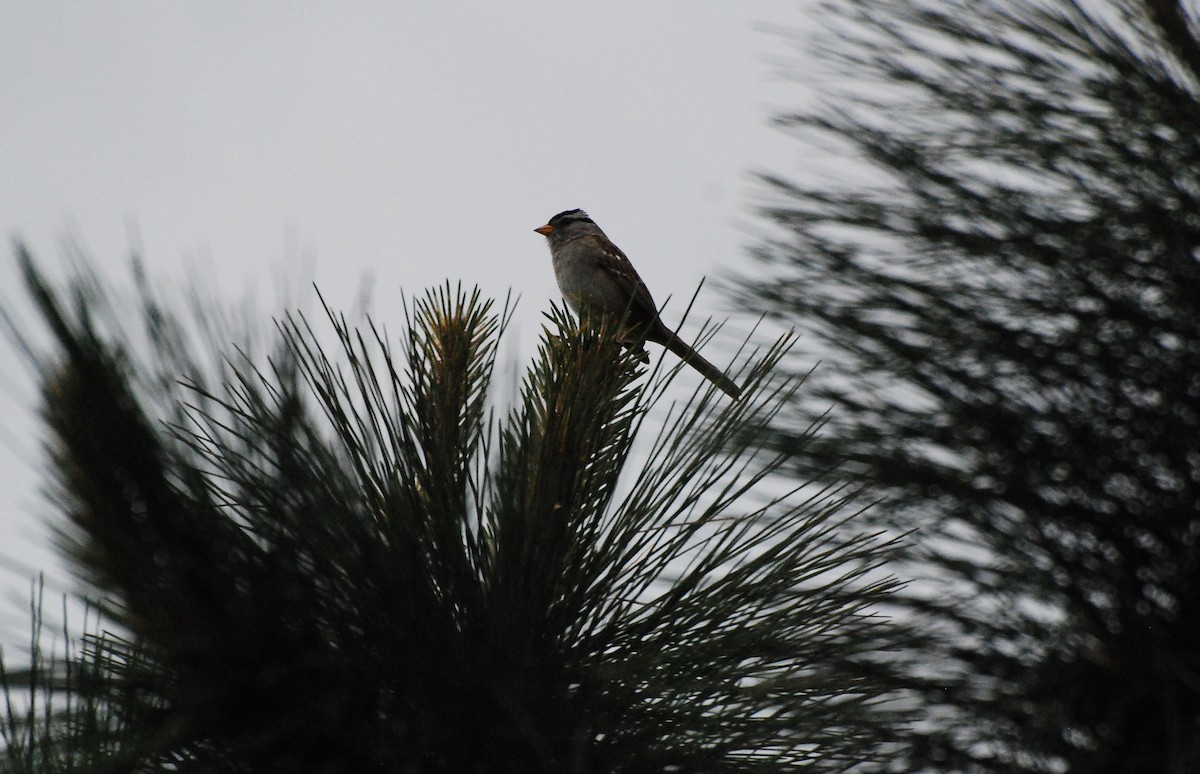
(345, 557)
(1002, 278)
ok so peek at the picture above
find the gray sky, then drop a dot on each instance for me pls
(407, 143)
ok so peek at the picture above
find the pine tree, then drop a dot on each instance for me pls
(343, 557)
(1002, 282)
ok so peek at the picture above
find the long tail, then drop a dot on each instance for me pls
(706, 369)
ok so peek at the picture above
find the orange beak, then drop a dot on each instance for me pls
(544, 230)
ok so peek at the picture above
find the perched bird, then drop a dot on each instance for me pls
(595, 277)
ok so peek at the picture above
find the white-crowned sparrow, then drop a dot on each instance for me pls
(595, 277)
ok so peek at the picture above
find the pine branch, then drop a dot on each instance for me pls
(337, 559)
(1001, 283)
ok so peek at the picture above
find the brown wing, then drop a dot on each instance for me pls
(641, 306)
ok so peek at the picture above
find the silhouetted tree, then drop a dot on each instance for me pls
(1000, 272)
(319, 564)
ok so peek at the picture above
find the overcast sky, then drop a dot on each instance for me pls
(400, 143)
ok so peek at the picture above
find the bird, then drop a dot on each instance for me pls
(595, 277)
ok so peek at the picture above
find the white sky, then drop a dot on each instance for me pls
(401, 143)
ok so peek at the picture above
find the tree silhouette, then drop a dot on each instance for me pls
(319, 563)
(1002, 281)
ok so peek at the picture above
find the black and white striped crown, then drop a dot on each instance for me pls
(566, 217)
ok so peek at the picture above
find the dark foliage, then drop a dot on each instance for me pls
(340, 565)
(1003, 283)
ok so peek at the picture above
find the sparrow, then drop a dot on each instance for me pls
(595, 277)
